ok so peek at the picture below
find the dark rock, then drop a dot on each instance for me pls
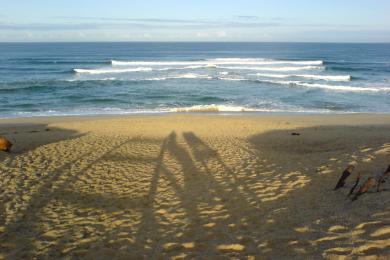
(5, 145)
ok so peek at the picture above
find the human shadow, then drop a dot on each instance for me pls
(25, 138)
(210, 158)
(210, 204)
(44, 190)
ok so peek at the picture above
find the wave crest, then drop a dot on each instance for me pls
(109, 71)
(328, 87)
(308, 76)
(211, 108)
(272, 68)
(218, 61)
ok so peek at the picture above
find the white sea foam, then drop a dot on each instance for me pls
(273, 68)
(181, 76)
(279, 76)
(308, 76)
(194, 109)
(329, 87)
(344, 88)
(214, 62)
(110, 71)
(232, 79)
(87, 79)
(185, 68)
(224, 63)
(212, 108)
(252, 61)
(156, 79)
(201, 66)
(192, 76)
(327, 77)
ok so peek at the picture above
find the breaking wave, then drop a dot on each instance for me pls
(308, 76)
(109, 71)
(213, 108)
(329, 87)
(272, 68)
(219, 61)
(183, 76)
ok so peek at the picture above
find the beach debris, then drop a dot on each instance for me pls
(5, 145)
(344, 176)
(382, 179)
(356, 184)
(368, 184)
(296, 134)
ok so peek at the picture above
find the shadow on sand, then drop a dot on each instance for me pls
(188, 197)
(26, 137)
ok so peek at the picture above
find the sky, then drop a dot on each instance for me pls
(195, 20)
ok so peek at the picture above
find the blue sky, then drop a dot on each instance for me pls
(195, 20)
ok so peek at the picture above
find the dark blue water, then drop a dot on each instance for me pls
(117, 78)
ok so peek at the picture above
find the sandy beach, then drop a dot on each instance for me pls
(189, 186)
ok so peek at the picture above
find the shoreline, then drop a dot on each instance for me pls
(197, 114)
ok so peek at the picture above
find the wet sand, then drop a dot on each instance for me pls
(192, 186)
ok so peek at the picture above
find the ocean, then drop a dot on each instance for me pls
(51, 79)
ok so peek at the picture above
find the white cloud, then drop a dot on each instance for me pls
(221, 34)
(202, 35)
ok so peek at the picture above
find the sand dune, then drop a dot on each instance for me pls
(186, 186)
